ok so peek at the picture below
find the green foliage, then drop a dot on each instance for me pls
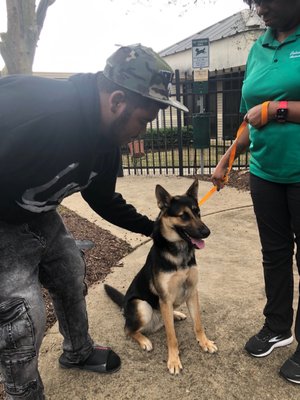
(166, 137)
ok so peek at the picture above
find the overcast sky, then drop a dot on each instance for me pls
(79, 35)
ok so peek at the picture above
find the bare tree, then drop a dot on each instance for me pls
(24, 25)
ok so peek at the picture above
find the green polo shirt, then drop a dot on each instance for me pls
(273, 73)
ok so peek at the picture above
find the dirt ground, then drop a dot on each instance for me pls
(231, 297)
(101, 258)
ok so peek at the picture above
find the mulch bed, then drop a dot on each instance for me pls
(237, 179)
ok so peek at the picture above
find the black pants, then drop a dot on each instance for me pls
(277, 210)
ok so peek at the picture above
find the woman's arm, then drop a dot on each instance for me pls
(242, 143)
(253, 116)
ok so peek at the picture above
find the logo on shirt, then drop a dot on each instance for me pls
(53, 191)
(295, 54)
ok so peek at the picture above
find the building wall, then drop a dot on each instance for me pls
(224, 53)
(232, 51)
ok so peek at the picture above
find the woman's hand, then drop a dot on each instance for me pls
(253, 116)
(218, 177)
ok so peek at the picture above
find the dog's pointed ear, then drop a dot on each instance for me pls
(193, 190)
(162, 196)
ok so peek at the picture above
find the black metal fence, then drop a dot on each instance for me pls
(191, 143)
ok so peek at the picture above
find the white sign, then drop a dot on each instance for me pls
(200, 53)
(200, 75)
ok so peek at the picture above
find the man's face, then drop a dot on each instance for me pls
(131, 123)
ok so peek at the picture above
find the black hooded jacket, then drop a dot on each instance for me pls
(51, 146)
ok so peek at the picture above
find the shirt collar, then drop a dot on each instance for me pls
(269, 39)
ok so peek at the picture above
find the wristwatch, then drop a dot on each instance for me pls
(282, 111)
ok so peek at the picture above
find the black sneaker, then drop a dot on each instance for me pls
(266, 341)
(291, 370)
(102, 360)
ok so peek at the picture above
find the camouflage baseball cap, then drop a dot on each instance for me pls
(140, 69)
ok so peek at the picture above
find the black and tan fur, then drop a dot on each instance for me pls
(169, 277)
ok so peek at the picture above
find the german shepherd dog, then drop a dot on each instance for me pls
(169, 277)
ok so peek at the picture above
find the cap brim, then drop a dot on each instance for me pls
(170, 102)
(177, 104)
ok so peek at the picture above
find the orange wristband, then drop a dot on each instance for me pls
(264, 113)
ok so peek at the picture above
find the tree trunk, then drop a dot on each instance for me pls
(24, 25)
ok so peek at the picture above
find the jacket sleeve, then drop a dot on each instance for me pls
(111, 206)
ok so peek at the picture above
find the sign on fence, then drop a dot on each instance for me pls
(200, 53)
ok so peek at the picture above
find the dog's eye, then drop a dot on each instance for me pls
(185, 216)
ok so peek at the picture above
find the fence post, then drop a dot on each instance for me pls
(179, 124)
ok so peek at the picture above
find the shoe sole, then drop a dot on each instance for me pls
(290, 379)
(282, 343)
(100, 371)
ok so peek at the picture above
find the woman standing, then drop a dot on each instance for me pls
(271, 104)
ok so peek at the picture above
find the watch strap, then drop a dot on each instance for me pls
(283, 104)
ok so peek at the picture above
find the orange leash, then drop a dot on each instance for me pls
(231, 160)
(207, 195)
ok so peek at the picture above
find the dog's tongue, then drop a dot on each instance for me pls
(198, 243)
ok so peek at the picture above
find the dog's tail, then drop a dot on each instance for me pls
(116, 296)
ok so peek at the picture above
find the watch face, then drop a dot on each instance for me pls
(281, 114)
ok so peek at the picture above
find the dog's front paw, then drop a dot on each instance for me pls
(178, 315)
(174, 365)
(208, 345)
(146, 344)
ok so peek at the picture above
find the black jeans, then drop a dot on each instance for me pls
(277, 210)
(38, 253)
